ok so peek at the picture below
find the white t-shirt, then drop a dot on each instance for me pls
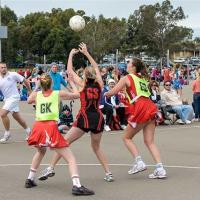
(8, 85)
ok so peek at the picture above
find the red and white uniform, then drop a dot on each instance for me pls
(45, 133)
(143, 109)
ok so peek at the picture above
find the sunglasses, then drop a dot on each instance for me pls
(155, 85)
(168, 85)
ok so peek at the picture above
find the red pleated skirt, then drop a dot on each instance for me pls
(46, 134)
(143, 110)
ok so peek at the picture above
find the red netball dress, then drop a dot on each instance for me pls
(143, 109)
(90, 117)
(45, 129)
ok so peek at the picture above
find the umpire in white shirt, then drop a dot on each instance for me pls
(8, 87)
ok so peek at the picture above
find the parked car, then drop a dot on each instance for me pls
(179, 60)
(195, 62)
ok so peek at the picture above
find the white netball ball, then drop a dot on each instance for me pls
(77, 23)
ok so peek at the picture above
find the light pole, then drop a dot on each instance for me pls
(3, 32)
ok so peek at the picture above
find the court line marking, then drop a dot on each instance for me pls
(89, 164)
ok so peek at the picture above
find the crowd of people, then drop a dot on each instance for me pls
(109, 100)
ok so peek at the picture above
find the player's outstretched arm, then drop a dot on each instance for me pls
(64, 95)
(83, 50)
(118, 87)
(32, 97)
(70, 70)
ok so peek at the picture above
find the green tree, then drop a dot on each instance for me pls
(154, 29)
(104, 35)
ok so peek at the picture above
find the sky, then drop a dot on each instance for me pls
(109, 8)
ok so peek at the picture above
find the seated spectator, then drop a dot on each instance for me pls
(124, 102)
(65, 118)
(154, 89)
(155, 97)
(172, 99)
(110, 105)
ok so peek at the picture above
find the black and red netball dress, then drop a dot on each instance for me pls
(90, 117)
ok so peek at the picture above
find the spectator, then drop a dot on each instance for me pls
(124, 102)
(24, 93)
(196, 96)
(27, 73)
(104, 74)
(20, 72)
(155, 97)
(40, 71)
(171, 98)
(166, 74)
(154, 89)
(176, 84)
(33, 78)
(57, 80)
(109, 105)
(56, 77)
(154, 72)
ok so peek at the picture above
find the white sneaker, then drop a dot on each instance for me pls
(107, 128)
(109, 177)
(158, 173)
(137, 167)
(5, 138)
(180, 121)
(188, 122)
(48, 172)
(195, 120)
(123, 127)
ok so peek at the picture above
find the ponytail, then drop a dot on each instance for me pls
(141, 68)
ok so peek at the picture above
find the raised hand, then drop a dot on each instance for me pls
(74, 51)
(83, 48)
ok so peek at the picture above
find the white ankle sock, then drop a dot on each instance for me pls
(7, 133)
(108, 173)
(159, 165)
(32, 174)
(76, 181)
(138, 159)
(50, 168)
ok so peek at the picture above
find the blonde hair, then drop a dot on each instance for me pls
(45, 81)
(89, 73)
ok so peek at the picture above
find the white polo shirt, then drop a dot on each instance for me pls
(8, 85)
